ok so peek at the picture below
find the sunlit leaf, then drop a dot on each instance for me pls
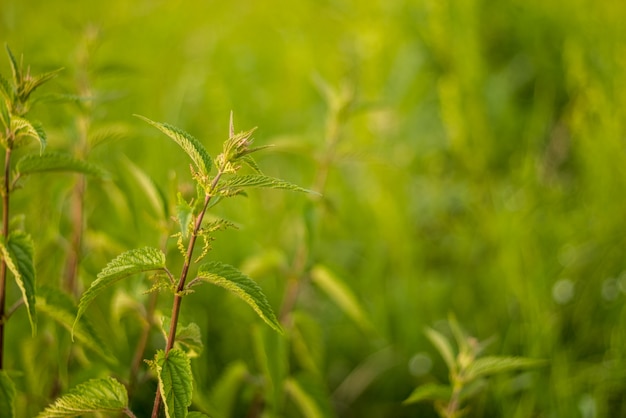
(30, 164)
(18, 255)
(30, 84)
(442, 345)
(5, 88)
(491, 365)
(24, 128)
(60, 307)
(230, 278)
(7, 396)
(95, 395)
(234, 184)
(188, 143)
(187, 335)
(124, 265)
(184, 214)
(341, 294)
(429, 392)
(15, 68)
(175, 381)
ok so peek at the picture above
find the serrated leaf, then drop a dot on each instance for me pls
(305, 402)
(235, 184)
(60, 307)
(30, 164)
(92, 396)
(5, 116)
(188, 143)
(175, 381)
(236, 282)
(187, 335)
(24, 128)
(184, 214)
(18, 255)
(6, 88)
(124, 265)
(250, 162)
(7, 396)
(15, 69)
(429, 392)
(341, 294)
(196, 414)
(31, 83)
(442, 345)
(490, 365)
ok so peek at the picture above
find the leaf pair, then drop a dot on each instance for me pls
(150, 259)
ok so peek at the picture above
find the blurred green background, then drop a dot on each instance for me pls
(480, 171)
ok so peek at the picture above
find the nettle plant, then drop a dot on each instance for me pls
(468, 371)
(216, 179)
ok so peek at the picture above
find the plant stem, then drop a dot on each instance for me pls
(171, 337)
(5, 235)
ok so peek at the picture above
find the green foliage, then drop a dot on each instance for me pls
(96, 395)
(18, 255)
(234, 186)
(126, 264)
(466, 369)
(175, 381)
(242, 286)
(7, 395)
(188, 143)
(339, 292)
(61, 308)
(30, 164)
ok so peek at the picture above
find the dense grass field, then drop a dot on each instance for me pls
(470, 160)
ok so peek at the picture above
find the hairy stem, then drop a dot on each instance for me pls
(171, 337)
(5, 233)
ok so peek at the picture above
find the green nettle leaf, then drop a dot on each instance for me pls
(5, 116)
(230, 278)
(24, 128)
(33, 82)
(188, 336)
(341, 294)
(92, 396)
(429, 392)
(234, 185)
(15, 69)
(196, 414)
(184, 214)
(18, 254)
(490, 365)
(7, 395)
(60, 307)
(124, 265)
(30, 164)
(175, 381)
(188, 143)
(443, 346)
(5, 88)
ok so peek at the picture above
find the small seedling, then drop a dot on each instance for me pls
(467, 370)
